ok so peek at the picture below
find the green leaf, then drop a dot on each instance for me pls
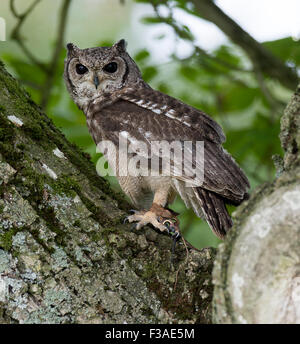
(151, 20)
(149, 73)
(224, 53)
(142, 55)
(183, 31)
(237, 98)
(287, 49)
(189, 72)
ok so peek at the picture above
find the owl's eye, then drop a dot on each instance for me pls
(111, 67)
(81, 69)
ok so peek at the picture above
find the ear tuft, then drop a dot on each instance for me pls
(72, 49)
(120, 46)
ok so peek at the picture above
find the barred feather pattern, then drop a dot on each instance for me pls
(170, 107)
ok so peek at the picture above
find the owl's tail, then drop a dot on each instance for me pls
(209, 206)
(214, 211)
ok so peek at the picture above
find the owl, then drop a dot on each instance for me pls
(107, 85)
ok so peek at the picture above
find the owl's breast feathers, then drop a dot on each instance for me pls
(146, 115)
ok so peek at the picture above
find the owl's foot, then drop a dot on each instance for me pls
(143, 218)
(159, 217)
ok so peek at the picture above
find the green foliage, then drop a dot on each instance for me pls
(287, 49)
(220, 83)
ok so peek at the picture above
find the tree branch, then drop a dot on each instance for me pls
(51, 69)
(65, 256)
(55, 57)
(263, 59)
(15, 35)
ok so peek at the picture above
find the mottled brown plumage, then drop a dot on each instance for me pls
(118, 102)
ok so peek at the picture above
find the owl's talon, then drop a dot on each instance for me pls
(177, 236)
(131, 218)
(173, 232)
(142, 218)
(171, 228)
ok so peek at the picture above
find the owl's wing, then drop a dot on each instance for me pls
(137, 120)
(170, 120)
(180, 121)
(161, 104)
(224, 182)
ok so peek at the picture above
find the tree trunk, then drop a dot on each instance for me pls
(65, 256)
(257, 270)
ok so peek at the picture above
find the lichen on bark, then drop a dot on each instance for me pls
(257, 270)
(65, 256)
(290, 133)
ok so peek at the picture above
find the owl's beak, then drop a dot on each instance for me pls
(96, 81)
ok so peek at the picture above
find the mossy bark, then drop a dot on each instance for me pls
(65, 256)
(257, 269)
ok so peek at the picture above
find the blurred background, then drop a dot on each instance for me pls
(236, 60)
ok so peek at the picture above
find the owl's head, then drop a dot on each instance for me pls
(89, 73)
